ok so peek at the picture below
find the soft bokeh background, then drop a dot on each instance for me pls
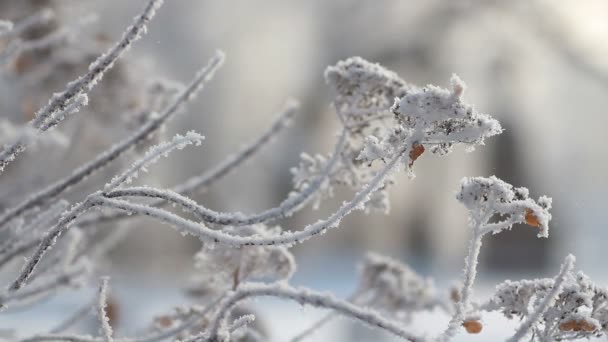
(540, 67)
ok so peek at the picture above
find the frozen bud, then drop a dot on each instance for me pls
(363, 88)
(493, 196)
(444, 117)
(416, 151)
(372, 150)
(472, 326)
(579, 325)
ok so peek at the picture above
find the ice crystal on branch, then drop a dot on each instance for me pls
(444, 117)
(579, 308)
(386, 125)
(383, 116)
(492, 196)
(363, 88)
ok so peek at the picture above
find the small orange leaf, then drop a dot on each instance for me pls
(531, 219)
(472, 327)
(577, 325)
(416, 151)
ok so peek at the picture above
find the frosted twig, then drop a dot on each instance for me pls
(303, 296)
(241, 322)
(86, 82)
(28, 235)
(314, 327)
(49, 284)
(80, 101)
(285, 238)
(69, 217)
(320, 323)
(285, 209)
(104, 320)
(18, 47)
(64, 259)
(484, 198)
(205, 180)
(36, 19)
(119, 149)
(49, 240)
(163, 149)
(201, 182)
(547, 301)
(196, 317)
(469, 275)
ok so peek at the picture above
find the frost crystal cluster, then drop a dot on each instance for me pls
(49, 245)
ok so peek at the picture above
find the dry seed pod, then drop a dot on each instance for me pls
(577, 325)
(416, 151)
(472, 327)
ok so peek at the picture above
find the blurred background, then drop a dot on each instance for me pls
(539, 67)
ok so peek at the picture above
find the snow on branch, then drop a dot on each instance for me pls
(208, 178)
(387, 124)
(152, 156)
(86, 82)
(104, 320)
(285, 238)
(218, 331)
(62, 35)
(485, 198)
(37, 19)
(287, 207)
(546, 302)
(117, 150)
(568, 307)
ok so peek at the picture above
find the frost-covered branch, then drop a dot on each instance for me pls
(59, 36)
(68, 276)
(205, 180)
(152, 156)
(547, 301)
(285, 209)
(286, 238)
(303, 296)
(68, 217)
(37, 19)
(86, 82)
(485, 198)
(104, 320)
(103, 159)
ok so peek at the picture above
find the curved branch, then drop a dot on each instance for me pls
(285, 238)
(305, 296)
(119, 149)
(86, 82)
(289, 206)
(203, 181)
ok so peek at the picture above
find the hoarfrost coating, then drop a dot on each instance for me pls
(385, 125)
